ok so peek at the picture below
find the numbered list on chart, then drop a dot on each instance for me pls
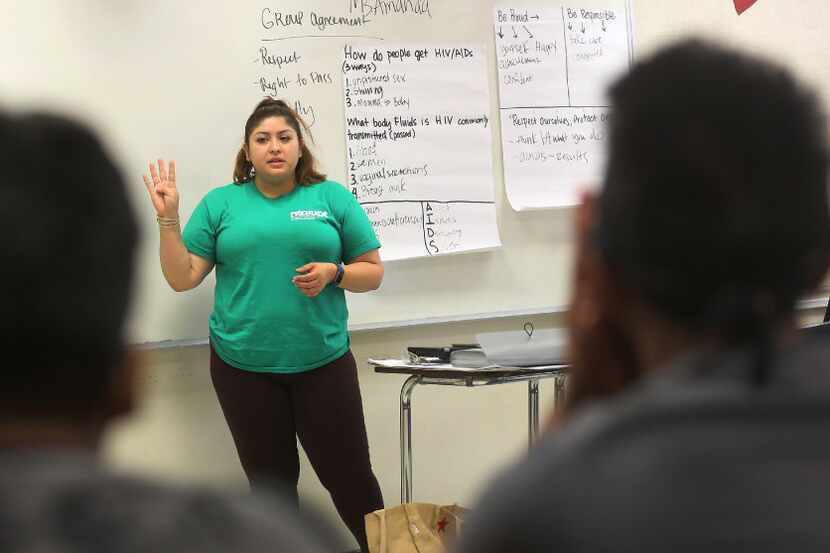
(418, 146)
(554, 65)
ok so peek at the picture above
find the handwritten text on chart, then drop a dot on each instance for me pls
(569, 136)
(554, 65)
(407, 124)
(290, 69)
(359, 14)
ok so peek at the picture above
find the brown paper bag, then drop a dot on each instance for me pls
(414, 528)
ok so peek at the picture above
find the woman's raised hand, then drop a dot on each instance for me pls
(161, 184)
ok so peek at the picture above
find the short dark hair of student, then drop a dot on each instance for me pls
(306, 171)
(67, 240)
(715, 205)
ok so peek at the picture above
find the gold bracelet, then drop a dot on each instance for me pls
(167, 221)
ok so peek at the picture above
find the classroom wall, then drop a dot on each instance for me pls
(461, 436)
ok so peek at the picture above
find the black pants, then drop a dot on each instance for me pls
(267, 412)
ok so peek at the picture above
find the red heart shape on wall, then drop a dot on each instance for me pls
(742, 5)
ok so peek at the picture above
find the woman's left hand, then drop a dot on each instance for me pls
(314, 277)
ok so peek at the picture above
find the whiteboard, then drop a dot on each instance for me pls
(175, 79)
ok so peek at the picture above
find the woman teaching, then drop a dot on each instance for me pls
(285, 243)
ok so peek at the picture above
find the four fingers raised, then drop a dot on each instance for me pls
(171, 173)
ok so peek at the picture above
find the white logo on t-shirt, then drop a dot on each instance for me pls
(308, 214)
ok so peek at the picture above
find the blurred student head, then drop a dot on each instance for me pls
(712, 220)
(67, 242)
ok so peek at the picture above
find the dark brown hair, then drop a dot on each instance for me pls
(694, 213)
(714, 209)
(306, 171)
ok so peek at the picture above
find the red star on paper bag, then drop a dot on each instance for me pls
(742, 5)
(442, 524)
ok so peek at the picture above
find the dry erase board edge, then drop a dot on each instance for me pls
(549, 310)
(165, 344)
(817, 302)
(365, 327)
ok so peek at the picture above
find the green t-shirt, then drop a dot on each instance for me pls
(260, 320)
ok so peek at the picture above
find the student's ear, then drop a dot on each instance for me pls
(123, 392)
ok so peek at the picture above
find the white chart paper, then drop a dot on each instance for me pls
(418, 146)
(554, 64)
